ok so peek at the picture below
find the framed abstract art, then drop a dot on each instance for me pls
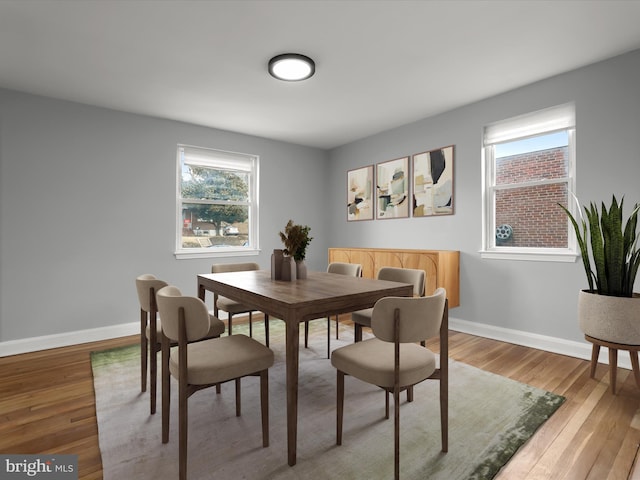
(433, 182)
(360, 203)
(392, 189)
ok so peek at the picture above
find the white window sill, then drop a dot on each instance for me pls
(215, 252)
(530, 256)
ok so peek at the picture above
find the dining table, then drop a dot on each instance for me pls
(319, 295)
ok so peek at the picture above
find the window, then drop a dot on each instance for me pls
(217, 203)
(529, 165)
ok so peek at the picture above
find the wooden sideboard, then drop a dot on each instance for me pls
(441, 266)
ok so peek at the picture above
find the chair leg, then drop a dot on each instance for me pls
(636, 367)
(613, 368)
(264, 406)
(266, 330)
(386, 405)
(306, 334)
(328, 337)
(166, 390)
(410, 394)
(153, 372)
(183, 424)
(153, 359)
(444, 410)
(396, 434)
(357, 334)
(339, 407)
(337, 327)
(250, 326)
(238, 397)
(144, 346)
(595, 352)
(229, 323)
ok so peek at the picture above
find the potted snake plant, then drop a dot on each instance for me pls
(609, 309)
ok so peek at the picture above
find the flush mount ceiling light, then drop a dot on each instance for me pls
(291, 67)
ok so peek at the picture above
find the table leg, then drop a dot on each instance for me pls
(292, 352)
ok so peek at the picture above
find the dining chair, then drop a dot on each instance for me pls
(394, 361)
(231, 306)
(416, 277)
(201, 364)
(150, 332)
(147, 285)
(341, 268)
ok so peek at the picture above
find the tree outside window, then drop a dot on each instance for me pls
(216, 201)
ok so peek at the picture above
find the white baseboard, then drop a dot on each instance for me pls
(541, 342)
(533, 340)
(34, 344)
(26, 345)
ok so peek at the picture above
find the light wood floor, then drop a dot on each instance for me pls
(47, 406)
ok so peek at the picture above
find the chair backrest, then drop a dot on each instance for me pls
(353, 269)
(420, 317)
(405, 275)
(170, 303)
(144, 284)
(234, 267)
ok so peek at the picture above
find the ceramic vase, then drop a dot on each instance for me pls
(301, 270)
(276, 264)
(288, 269)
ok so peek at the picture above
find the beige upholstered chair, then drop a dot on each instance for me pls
(147, 286)
(231, 306)
(362, 318)
(353, 269)
(150, 332)
(393, 361)
(201, 364)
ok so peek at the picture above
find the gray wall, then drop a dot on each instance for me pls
(88, 203)
(534, 297)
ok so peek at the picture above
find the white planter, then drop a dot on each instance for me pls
(612, 319)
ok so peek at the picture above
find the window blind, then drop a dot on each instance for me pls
(551, 119)
(216, 159)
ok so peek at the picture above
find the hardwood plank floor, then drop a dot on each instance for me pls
(47, 405)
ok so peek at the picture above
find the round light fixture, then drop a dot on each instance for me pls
(291, 67)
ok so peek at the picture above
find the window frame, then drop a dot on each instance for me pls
(221, 158)
(554, 119)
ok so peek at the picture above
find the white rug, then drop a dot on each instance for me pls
(490, 417)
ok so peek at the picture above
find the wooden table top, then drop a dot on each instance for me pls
(321, 294)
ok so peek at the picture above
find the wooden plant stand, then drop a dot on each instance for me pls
(613, 359)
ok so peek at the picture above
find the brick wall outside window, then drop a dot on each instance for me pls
(533, 212)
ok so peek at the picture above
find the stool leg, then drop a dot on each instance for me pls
(595, 352)
(613, 368)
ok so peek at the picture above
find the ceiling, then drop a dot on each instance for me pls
(379, 64)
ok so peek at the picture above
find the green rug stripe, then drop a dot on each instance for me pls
(500, 453)
(101, 358)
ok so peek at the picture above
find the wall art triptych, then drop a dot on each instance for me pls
(420, 186)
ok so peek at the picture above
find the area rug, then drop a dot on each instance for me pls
(490, 418)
